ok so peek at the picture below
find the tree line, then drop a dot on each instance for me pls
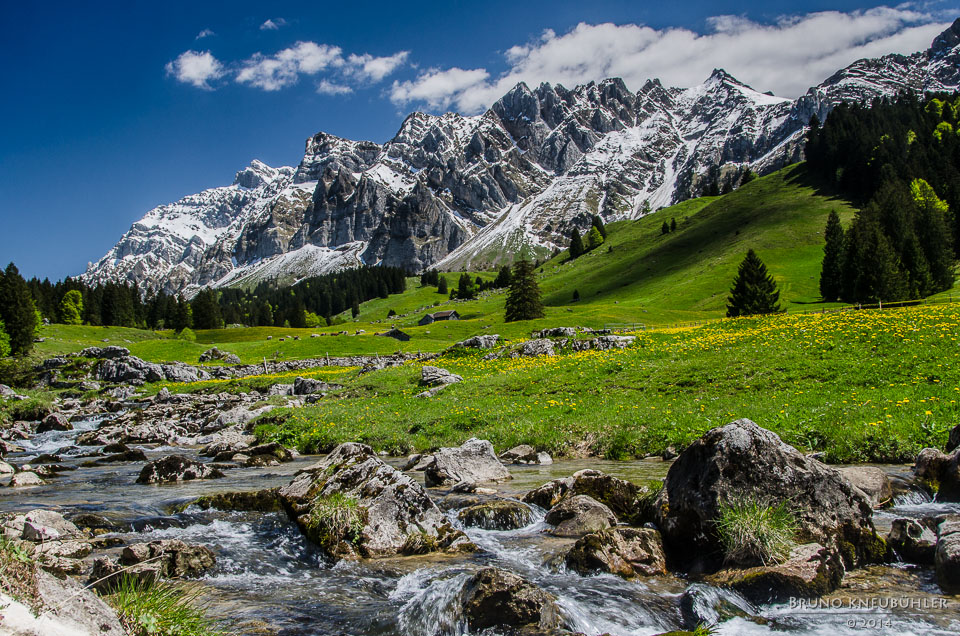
(900, 161)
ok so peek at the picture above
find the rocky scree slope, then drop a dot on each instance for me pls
(461, 192)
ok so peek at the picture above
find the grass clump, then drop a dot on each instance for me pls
(161, 609)
(18, 573)
(335, 520)
(753, 533)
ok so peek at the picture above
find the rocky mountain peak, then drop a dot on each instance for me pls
(947, 40)
(257, 174)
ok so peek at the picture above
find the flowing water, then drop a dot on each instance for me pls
(268, 579)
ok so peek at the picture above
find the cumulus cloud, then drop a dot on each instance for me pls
(787, 56)
(273, 24)
(283, 69)
(205, 34)
(326, 87)
(198, 68)
(373, 69)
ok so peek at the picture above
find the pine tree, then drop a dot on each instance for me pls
(71, 308)
(673, 225)
(183, 315)
(594, 239)
(754, 291)
(18, 311)
(576, 244)
(442, 285)
(355, 309)
(523, 300)
(503, 277)
(831, 273)
(465, 287)
(871, 269)
(748, 176)
(598, 223)
(576, 295)
(665, 228)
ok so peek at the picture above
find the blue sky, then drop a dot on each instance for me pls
(110, 111)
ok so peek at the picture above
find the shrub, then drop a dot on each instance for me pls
(161, 609)
(753, 533)
(187, 334)
(334, 519)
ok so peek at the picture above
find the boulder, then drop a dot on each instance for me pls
(47, 525)
(626, 552)
(538, 347)
(177, 559)
(308, 386)
(54, 422)
(6, 392)
(940, 472)
(173, 468)
(579, 515)
(26, 479)
(947, 558)
(702, 604)
(129, 455)
(474, 461)
(619, 495)
(435, 376)
(871, 481)
(811, 570)
(953, 442)
(353, 504)
(6, 469)
(179, 372)
(9, 447)
(499, 514)
(495, 598)
(89, 386)
(281, 389)
(525, 454)
(606, 343)
(129, 369)
(742, 460)
(231, 440)
(913, 542)
(557, 332)
(480, 342)
(104, 353)
(256, 501)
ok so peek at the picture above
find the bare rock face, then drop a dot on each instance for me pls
(579, 515)
(352, 504)
(497, 599)
(626, 552)
(473, 462)
(743, 460)
(173, 468)
(871, 481)
(811, 571)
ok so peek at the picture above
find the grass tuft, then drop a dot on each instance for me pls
(335, 519)
(161, 609)
(756, 534)
(18, 573)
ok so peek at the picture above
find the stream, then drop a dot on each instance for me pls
(269, 579)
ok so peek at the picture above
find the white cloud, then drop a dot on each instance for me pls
(205, 34)
(197, 68)
(283, 69)
(273, 24)
(369, 68)
(787, 56)
(326, 87)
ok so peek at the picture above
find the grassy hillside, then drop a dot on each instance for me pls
(638, 276)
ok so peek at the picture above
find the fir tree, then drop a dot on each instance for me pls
(503, 277)
(523, 300)
(831, 273)
(933, 234)
(594, 239)
(665, 228)
(576, 295)
(71, 308)
(465, 287)
(754, 291)
(673, 225)
(442, 285)
(18, 311)
(183, 315)
(206, 311)
(576, 244)
(871, 270)
(355, 309)
(748, 176)
(598, 223)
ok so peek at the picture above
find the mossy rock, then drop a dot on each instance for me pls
(255, 501)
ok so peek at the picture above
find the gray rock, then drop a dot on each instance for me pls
(281, 389)
(353, 504)
(47, 525)
(557, 332)
(953, 442)
(26, 479)
(538, 347)
(480, 342)
(231, 440)
(499, 514)
(811, 571)
(435, 376)
(69, 609)
(173, 468)
(743, 460)
(947, 557)
(626, 552)
(474, 461)
(525, 454)
(940, 471)
(309, 386)
(6, 392)
(495, 598)
(6, 469)
(913, 542)
(54, 422)
(104, 353)
(9, 447)
(89, 386)
(619, 495)
(579, 515)
(872, 482)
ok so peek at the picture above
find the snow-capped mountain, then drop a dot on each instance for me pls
(453, 192)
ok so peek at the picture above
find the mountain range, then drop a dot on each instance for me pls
(455, 192)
